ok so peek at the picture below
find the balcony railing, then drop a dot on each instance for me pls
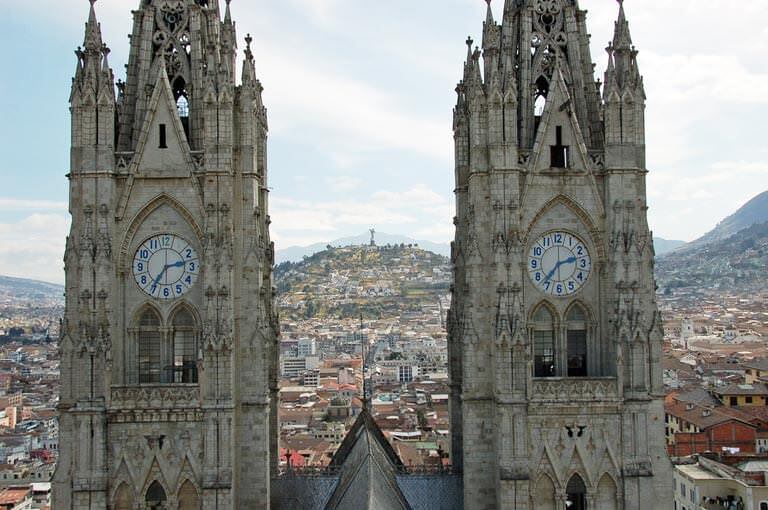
(159, 396)
(581, 389)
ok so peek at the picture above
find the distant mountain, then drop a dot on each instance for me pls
(753, 212)
(736, 263)
(297, 253)
(663, 246)
(21, 288)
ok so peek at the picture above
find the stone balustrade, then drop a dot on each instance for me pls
(155, 397)
(572, 390)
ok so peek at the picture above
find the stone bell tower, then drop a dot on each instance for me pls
(555, 337)
(169, 338)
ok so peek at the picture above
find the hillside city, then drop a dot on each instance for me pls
(365, 326)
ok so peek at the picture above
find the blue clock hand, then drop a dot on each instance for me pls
(157, 280)
(552, 273)
(180, 263)
(569, 260)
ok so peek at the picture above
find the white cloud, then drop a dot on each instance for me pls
(320, 12)
(702, 60)
(343, 183)
(34, 247)
(416, 211)
(15, 204)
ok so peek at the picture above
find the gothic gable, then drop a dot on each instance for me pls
(163, 150)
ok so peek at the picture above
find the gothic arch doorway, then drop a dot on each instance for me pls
(155, 498)
(576, 494)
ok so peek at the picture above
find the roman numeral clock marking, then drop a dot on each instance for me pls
(559, 263)
(165, 266)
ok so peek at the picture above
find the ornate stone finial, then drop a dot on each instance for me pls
(248, 38)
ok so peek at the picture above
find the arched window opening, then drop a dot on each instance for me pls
(188, 499)
(156, 497)
(184, 367)
(150, 340)
(123, 498)
(181, 95)
(576, 339)
(544, 343)
(540, 97)
(576, 494)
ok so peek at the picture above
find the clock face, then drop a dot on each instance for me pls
(559, 263)
(166, 266)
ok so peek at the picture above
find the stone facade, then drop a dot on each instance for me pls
(556, 374)
(168, 393)
(168, 387)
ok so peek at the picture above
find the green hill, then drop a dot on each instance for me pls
(351, 281)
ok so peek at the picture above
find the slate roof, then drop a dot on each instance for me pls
(369, 467)
(742, 389)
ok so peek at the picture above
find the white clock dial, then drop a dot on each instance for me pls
(559, 263)
(166, 266)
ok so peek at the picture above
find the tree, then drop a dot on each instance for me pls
(310, 310)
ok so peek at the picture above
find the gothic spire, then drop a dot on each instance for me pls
(489, 26)
(249, 66)
(622, 39)
(93, 41)
(622, 70)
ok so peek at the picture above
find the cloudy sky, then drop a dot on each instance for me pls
(360, 94)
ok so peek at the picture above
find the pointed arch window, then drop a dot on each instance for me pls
(576, 341)
(155, 498)
(576, 494)
(185, 333)
(150, 347)
(181, 95)
(540, 96)
(544, 352)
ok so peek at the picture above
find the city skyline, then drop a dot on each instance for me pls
(351, 148)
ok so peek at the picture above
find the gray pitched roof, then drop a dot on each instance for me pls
(369, 466)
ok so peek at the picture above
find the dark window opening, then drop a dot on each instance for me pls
(181, 96)
(184, 366)
(576, 341)
(748, 400)
(150, 339)
(559, 152)
(576, 494)
(163, 137)
(156, 497)
(734, 401)
(577, 353)
(544, 344)
(540, 97)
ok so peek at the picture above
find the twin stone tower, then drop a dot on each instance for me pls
(169, 346)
